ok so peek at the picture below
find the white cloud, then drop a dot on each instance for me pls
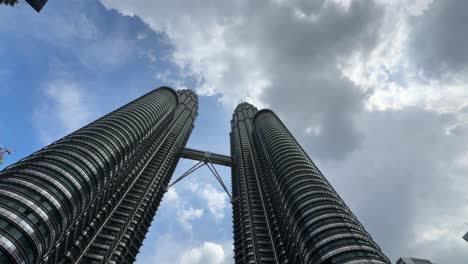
(142, 35)
(187, 215)
(260, 52)
(170, 78)
(64, 107)
(223, 45)
(390, 71)
(208, 253)
(167, 249)
(216, 200)
(172, 196)
(203, 46)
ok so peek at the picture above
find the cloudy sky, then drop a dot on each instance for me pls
(376, 92)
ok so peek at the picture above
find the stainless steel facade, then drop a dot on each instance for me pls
(255, 239)
(90, 196)
(284, 209)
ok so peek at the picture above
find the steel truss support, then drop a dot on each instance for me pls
(208, 159)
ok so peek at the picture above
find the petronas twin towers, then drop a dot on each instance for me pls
(90, 197)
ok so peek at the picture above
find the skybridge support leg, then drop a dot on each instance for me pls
(208, 159)
(188, 172)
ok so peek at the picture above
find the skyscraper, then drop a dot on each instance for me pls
(284, 209)
(90, 196)
(254, 234)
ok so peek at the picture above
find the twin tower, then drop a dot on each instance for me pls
(90, 197)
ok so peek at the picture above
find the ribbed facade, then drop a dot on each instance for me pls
(284, 209)
(254, 241)
(90, 196)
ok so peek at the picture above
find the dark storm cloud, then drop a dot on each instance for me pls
(439, 42)
(325, 104)
(464, 109)
(300, 57)
(403, 177)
